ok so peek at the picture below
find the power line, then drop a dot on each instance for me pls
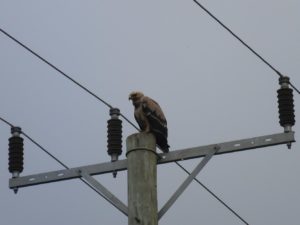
(65, 75)
(243, 42)
(45, 150)
(55, 68)
(5, 121)
(214, 195)
(293, 86)
(94, 95)
(131, 123)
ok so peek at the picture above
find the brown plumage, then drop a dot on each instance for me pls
(150, 118)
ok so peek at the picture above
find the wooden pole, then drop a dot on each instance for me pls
(142, 179)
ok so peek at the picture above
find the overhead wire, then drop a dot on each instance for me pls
(243, 43)
(214, 195)
(64, 74)
(104, 102)
(54, 67)
(5, 121)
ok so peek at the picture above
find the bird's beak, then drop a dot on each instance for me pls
(129, 98)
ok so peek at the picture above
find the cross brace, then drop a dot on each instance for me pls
(106, 194)
(186, 183)
(177, 155)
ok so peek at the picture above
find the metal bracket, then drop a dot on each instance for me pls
(228, 147)
(104, 192)
(186, 183)
(177, 155)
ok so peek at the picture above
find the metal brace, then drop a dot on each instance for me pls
(104, 192)
(186, 183)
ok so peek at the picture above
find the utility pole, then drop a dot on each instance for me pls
(142, 179)
(142, 161)
(141, 165)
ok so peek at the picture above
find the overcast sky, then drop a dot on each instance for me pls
(211, 88)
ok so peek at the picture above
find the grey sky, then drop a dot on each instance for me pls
(210, 87)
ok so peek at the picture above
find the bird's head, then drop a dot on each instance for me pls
(135, 96)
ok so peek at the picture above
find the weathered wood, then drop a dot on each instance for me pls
(142, 179)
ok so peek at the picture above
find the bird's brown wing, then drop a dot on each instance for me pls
(157, 122)
(140, 118)
(152, 107)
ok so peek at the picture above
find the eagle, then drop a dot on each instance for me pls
(150, 118)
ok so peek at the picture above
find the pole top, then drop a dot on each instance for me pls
(141, 141)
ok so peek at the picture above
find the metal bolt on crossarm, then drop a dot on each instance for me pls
(114, 136)
(15, 153)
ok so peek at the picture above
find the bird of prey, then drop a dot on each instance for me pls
(150, 118)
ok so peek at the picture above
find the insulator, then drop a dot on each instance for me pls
(286, 104)
(114, 136)
(15, 153)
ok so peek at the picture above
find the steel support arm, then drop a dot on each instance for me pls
(186, 183)
(105, 193)
(229, 147)
(184, 154)
(67, 174)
